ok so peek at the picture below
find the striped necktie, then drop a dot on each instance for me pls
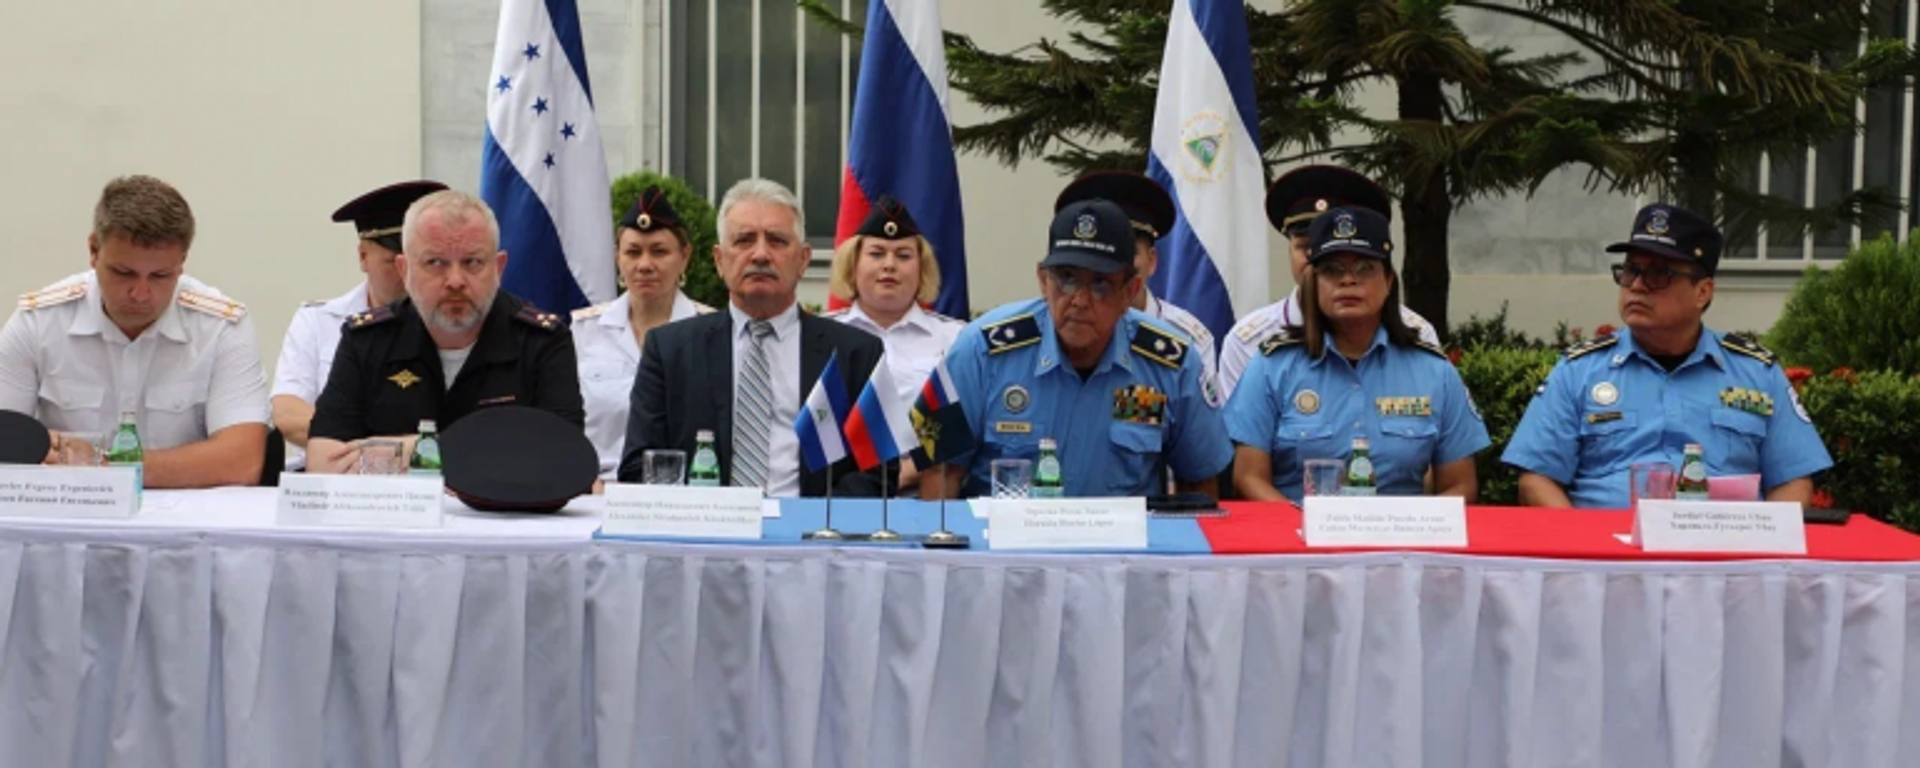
(753, 400)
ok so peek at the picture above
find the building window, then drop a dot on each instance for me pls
(757, 89)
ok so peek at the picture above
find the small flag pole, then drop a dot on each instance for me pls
(943, 538)
(828, 532)
(886, 533)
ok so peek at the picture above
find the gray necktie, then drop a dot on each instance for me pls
(753, 402)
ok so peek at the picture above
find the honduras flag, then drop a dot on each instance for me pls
(542, 168)
(879, 429)
(901, 142)
(821, 420)
(1206, 151)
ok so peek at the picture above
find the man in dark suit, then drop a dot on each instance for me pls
(743, 373)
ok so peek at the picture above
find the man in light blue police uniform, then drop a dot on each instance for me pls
(1663, 381)
(1118, 390)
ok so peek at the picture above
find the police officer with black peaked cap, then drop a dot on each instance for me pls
(306, 354)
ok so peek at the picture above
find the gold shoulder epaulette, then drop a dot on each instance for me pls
(1163, 347)
(1279, 340)
(1430, 347)
(53, 295)
(1746, 345)
(374, 316)
(223, 308)
(589, 313)
(537, 317)
(702, 309)
(1590, 346)
(1012, 333)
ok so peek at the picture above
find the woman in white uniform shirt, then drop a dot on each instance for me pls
(652, 256)
(885, 272)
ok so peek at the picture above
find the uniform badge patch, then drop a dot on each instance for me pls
(1011, 334)
(1799, 409)
(1139, 404)
(1013, 427)
(1159, 346)
(1602, 417)
(1605, 393)
(404, 379)
(1306, 401)
(1015, 398)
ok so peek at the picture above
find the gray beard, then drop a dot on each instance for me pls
(439, 321)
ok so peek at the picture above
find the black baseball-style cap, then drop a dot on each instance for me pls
(377, 215)
(514, 458)
(1349, 230)
(1676, 233)
(1148, 206)
(1306, 192)
(1090, 234)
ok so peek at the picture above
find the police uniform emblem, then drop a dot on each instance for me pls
(1799, 409)
(1306, 401)
(1343, 226)
(892, 229)
(404, 379)
(1605, 393)
(645, 222)
(1015, 398)
(1320, 205)
(1657, 222)
(1085, 227)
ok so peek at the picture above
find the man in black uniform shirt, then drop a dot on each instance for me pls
(454, 345)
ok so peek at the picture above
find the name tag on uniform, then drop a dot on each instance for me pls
(360, 501)
(1066, 524)
(71, 493)
(1754, 527)
(1386, 521)
(683, 511)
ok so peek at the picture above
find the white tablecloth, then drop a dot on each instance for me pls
(518, 642)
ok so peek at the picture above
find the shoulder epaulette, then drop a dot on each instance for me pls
(1254, 326)
(702, 309)
(1743, 344)
(1160, 346)
(1430, 347)
(537, 317)
(1590, 346)
(53, 295)
(223, 308)
(589, 313)
(1280, 340)
(1011, 334)
(312, 304)
(374, 316)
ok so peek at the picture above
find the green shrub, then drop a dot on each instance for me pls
(703, 281)
(1502, 380)
(1861, 314)
(1870, 423)
(1489, 332)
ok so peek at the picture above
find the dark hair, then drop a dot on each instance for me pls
(1315, 321)
(679, 233)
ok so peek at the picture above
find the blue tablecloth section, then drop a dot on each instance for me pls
(911, 517)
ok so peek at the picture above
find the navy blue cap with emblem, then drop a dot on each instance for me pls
(1148, 206)
(513, 458)
(1676, 233)
(889, 219)
(1306, 192)
(1349, 230)
(651, 211)
(1090, 234)
(377, 215)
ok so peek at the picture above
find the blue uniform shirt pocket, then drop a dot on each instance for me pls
(1405, 449)
(1297, 440)
(1735, 446)
(1136, 454)
(1605, 442)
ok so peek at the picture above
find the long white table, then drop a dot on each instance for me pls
(515, 641)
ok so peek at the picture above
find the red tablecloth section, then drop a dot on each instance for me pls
(1273, 528)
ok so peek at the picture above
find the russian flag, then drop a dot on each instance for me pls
(542, 167)
(819, 423)
(901, 141)
(879, 429)
(1206, 152)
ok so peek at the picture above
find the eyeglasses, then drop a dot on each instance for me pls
(1655, 279)
(1069, 283)
(1336, 271)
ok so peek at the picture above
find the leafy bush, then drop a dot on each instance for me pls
(703, 281)
(1860, 314)
(1870, 423)
(1502, 380)
(1489, 332)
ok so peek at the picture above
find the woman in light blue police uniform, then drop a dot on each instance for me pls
(652, 256)
(1354, 370)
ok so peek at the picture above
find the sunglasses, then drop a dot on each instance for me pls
(1655, 279)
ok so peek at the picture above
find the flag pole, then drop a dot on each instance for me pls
(942, 538)
(828, 532)
(886, 533)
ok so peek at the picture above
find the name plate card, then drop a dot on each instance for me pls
(73, 493)
(1754, 527)
(360, 501)
(1386, 521)
(683, 511)
(1057, 524)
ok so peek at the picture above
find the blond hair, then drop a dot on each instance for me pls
(844, 257)
(146, 210)
(455, 208)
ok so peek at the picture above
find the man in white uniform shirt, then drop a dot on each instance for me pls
(136, 335)
(1292, 202)
(1150, 210)
(306, 355)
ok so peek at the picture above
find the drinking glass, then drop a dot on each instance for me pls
(1323, 477)
(661, 466)
(1012, 478)
(379, 456)
(80, 449)
(1650, 480)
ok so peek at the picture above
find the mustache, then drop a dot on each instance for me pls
(763, 271)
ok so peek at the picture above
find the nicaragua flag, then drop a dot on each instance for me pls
(901, 142)
(542, 168)
(939, 421)
(879, 430)
(1206, 152)
(821, 419)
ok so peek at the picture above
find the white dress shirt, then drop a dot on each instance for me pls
(608, 359)
(915, 344)
(783, 364)
(306, 354)
(1244, 341)
(194, 372)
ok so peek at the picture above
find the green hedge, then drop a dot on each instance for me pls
(703, 281)
(1860, 314)
(1502, 380)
